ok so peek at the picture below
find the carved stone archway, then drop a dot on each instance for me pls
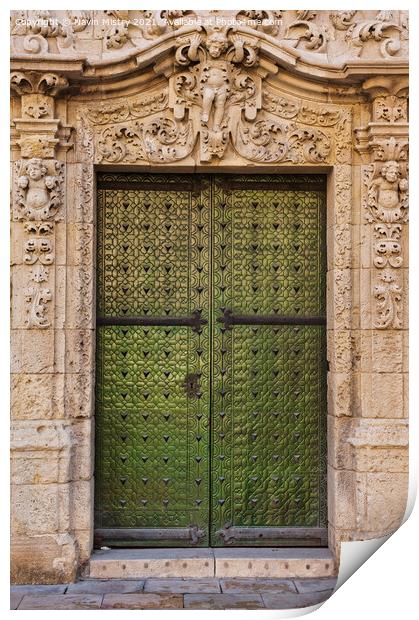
(282, 95)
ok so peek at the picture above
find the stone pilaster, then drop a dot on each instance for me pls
(42, 441)
(376, 442)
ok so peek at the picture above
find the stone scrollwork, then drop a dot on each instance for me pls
(382, 29)
(273, 141)
(388, 294)
(37, 299)
(387, 248)
(305, 28)
(385, 196)
(158, 140)
(39, 189)
(46, 31)
(123, 110)
(214, 98)
(359, 33)
(148, 25)
(32, 82)
(342, 20)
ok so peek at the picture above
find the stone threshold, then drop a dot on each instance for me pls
(211, 562)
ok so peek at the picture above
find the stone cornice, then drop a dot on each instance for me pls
(318, 45)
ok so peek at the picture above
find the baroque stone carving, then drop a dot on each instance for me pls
(39, 189)
(385, 196)
(45, 31)
(33, 82)
(216, 79)
(38, 298)
(158, 140)
(342, 19)
(382, 28)
(273, 141)
(388, 248)
(316, 35)
(124, 110)
(386, 182)
(390, 109)
(359, 34)
(388, 294)
(37, 106)
(295, 109)
(147, 24)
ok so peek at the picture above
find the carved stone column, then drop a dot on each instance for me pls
(43, 545)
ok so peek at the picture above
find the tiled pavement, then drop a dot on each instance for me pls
(210, 593)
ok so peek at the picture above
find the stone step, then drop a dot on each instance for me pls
(270, 562)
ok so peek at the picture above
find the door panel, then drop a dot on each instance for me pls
(268, 407)
(210, 386)
(152, 448)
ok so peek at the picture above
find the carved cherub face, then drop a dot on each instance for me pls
(35, 169)
(390, 171)
(216, 44)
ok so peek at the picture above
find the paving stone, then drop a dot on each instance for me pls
(36, 589)
(257, 585)
(15, 599)
(62, 601)
(182, 586)
(142, 601)
(315, 585)
(105, 586)
(223, 601)
(293, 601)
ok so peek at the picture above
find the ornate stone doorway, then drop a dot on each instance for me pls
(211, 360)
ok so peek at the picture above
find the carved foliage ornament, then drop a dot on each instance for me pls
(158, 140)
(273, 141)
(219, 101)
(38, 198)
(368, 34)
(386, 206)
(46, 31)
(388, 294)
(32, 82)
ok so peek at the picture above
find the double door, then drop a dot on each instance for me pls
(211, 363)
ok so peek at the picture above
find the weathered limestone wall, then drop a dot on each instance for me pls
(317, 91)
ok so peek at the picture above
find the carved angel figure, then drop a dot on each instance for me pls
(36, 197)
(387, 194)
(214, 80)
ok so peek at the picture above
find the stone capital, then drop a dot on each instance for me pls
(38, 83)
(384, 85)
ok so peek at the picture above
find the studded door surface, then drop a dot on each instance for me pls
(268, 372)
(210, 391)
(152, 386)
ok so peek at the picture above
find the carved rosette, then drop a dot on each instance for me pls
(385, 194)
(38, 187)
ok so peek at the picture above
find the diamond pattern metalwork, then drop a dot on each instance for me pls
(152, 439)
(268, 402)
(172, 451)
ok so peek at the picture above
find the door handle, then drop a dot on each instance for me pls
(192, 385)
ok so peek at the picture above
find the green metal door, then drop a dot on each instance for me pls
(210, 388)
